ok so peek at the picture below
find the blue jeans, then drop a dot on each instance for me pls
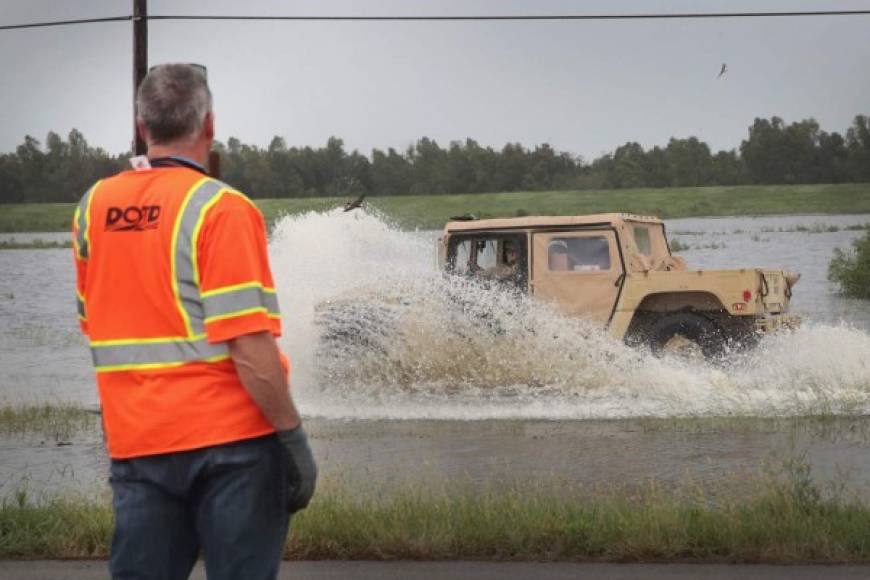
(229, 500)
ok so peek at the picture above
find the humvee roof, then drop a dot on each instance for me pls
(546, 221)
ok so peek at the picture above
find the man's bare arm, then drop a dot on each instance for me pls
(259, 366)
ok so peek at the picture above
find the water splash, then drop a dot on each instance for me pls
(436, 347)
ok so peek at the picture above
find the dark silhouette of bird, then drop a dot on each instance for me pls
(351, 205)
(723, 70)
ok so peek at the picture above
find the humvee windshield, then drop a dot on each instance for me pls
(473, 255)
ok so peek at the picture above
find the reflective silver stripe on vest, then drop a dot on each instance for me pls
(132, 354)
(185, 276)
(225, 304)
(155, 353)
(81, 307)
(82, 224)
(270, 299)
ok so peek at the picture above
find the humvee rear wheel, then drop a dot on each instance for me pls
(687, 336)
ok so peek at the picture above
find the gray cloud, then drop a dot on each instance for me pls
(582, 86)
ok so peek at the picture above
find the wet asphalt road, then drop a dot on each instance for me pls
(333, 570)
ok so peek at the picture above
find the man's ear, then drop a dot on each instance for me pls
(142, 131)
(208, 126)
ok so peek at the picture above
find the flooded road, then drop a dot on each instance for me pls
(543, 398)
(713, 457)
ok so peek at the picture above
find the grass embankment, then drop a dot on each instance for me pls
(787, 518)
(432, 211)
(36, 217)
(787, 521)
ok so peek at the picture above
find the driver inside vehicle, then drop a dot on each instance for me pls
(508, 264)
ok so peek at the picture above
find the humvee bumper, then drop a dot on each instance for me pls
(774, 322)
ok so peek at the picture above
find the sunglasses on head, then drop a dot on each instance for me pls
(200, 67)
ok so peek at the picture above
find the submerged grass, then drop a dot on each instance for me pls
(787, 520)
(55, 421)
(820, 426)
(677, 245)
(36, 244)
(432, 211)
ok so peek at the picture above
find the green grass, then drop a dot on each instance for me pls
(432, 211)
(850, 269)
(67, 527)
(788, 519)
(57, 422)
(36, 217)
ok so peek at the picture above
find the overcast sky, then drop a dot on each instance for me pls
(584, 87)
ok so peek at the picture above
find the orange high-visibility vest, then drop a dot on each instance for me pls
(171, 264)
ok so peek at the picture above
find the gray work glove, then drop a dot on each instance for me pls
(301, 469)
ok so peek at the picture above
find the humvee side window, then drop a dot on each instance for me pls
(588, 254)
(642, 240)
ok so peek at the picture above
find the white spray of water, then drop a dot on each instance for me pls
(448, 349)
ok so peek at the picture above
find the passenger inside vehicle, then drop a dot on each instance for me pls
(586, 254)
(590, 254)
(558, 256)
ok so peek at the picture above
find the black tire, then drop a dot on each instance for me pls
(694, 327)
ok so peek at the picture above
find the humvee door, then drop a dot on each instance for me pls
(581, 271)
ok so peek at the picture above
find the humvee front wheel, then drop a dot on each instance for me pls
(687, 336)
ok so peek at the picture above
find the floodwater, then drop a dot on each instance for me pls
(541, 397)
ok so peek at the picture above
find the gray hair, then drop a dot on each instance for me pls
(172, 102)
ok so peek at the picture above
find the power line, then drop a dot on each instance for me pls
(448, 18)
(65, 22)
(532, 17)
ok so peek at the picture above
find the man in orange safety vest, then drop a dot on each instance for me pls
(177, 300)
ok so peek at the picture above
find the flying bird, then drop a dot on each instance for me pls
(723, 70)
(351, 205)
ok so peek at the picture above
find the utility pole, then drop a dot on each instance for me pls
(140, 62)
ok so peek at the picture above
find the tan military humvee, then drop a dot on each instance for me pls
(618, 270)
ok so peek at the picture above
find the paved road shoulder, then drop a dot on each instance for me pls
(332, 570)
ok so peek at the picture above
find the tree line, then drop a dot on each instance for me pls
(773, 153)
